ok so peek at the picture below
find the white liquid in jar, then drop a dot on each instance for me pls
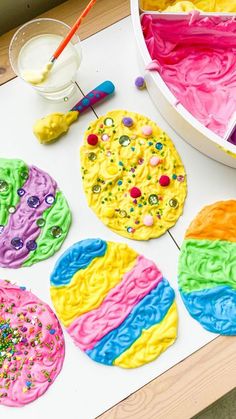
(36, 53)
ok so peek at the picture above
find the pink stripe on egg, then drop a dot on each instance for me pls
(89, 328)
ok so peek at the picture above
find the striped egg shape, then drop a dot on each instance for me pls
(114, 303)
(207, 268)
(34, 215)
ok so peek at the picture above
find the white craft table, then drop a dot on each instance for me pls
(85, 389)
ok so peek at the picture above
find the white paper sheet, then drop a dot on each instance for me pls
(85, 389)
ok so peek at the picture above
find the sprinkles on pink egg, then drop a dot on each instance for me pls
(32, 346)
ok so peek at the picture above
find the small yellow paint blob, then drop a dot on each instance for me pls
(37, 76)
(48, 129)
(112, 169)
(108, 212)
(230, 153)
(182, 6)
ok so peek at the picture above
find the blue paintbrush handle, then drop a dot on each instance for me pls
(101, 92)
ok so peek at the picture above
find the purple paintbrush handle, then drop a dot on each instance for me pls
(102, 91)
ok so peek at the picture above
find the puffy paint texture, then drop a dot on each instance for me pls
(121, 182)
(196, 59)
(117, 307)
(32, 346)
(207, 268)
(34, 215)
(221, 6)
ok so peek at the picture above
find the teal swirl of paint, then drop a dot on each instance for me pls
(149, 311)
(207, 282)
(214, 308)
(56, 215)
(14, 173)
(77, 257)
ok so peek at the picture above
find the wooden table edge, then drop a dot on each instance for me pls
(204, 376)
(187, 388)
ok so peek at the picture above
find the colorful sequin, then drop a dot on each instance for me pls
(135, 172)
(34, 215)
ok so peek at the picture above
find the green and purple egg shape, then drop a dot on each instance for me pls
(34, 215)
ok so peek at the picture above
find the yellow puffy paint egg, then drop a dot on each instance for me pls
(133, 177)
(127, 299)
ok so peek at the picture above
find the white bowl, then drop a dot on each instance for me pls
(192, 130)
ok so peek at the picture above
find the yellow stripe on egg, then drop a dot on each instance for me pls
(89, 286)
(152, 342)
